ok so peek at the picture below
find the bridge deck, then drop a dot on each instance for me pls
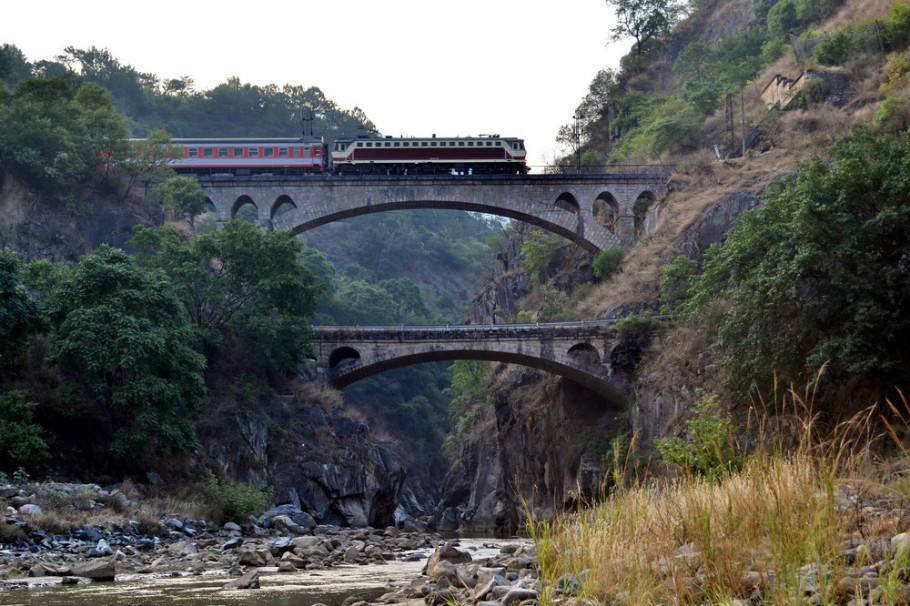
(463, 331)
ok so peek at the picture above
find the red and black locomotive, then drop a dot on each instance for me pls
(375, 155)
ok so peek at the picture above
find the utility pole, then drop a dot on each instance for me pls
(577, 144)
(306, 119)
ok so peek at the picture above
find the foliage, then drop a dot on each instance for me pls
(897, 73)
(231, 501)
(468, 389)
(606, 263)
(14, 67)
(818, 272)
(56, 136)
(893, 115)
(675, 281)
(897, 27)
(556, 306)
(20, 477)
(647, 21)
(536, 252)
(634, 335)
(709, 447)
(120, 335)
(21, 440)
(18, 312)
(180, 194)
(239, 283)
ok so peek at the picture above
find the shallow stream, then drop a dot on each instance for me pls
(329, 586)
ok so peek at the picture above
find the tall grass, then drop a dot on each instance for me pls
(771, 528)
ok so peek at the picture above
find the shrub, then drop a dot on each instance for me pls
(834, 49)
(607, 262)
(537, 250)
(10, 534)
(231, 501)
(893, 114)
(675, 280)
(897, 28)
(21, 440)
(709, 448)
(634, 334)
(896, 70)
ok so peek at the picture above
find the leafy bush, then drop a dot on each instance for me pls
(536, 252)
(893, 114)
(709, 448)
(817, 273)
(10, 534)
(607, 262)
(21, 440)
(675, 281)
(834, 49)
(634, 334)
(897, 69)
(897, 28)
(232, 501)
(18, 312)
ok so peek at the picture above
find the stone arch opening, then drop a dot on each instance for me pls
(343, 355)
(640, 210)
(584, 354)
(606, 211)
(210, 206)
(567, 201)
(244, 209)
(283, 205)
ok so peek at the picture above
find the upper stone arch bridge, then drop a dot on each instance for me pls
(595, 211)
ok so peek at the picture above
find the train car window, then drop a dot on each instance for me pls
(461, 144)
(470, 144)
(388, 144)
(282, 152)
(209, 152)
(306, 152)
(254, 152)
(222, 152)
(406, 144)
(238, 152)
(192, 152)
(397, 144)
(360, 144)
(269, 152)
(423, 144)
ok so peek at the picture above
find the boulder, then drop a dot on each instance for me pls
(298, 517)
(518, 594)
(29, 509)
(250, 580)
(449, 553)
(100, 569)
(232, 543)
(250, 557)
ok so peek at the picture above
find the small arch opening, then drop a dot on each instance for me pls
(245, 209)
(343, 355)
(282, 205)
(640, 211)
(567, 201)
(606, 211)
(584, 354)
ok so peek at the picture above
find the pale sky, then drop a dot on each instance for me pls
(416, 67)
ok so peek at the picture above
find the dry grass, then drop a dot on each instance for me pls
(768, 529)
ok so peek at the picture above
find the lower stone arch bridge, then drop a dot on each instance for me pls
(581, 351)
(595, 211)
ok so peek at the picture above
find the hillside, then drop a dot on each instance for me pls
(738, 48)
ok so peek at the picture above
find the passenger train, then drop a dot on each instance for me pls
(373, 154)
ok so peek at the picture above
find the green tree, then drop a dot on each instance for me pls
(239, 283)
(709, 448)
(536, 252)
(606, 263)
(818, 273)
(180, 194)
(645, 20)
(14, 67)
(121, 336)
(21, 439)
(18, 312)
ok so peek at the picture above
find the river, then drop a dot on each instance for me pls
(329, 586)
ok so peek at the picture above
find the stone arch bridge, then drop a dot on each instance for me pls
(595, 211)
(584, 352)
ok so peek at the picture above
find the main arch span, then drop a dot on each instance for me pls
(563, 204)
(580, 351)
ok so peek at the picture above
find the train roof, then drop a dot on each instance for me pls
(243, 140)
(430, 138)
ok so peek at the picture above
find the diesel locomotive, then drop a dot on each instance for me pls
(363, 155)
